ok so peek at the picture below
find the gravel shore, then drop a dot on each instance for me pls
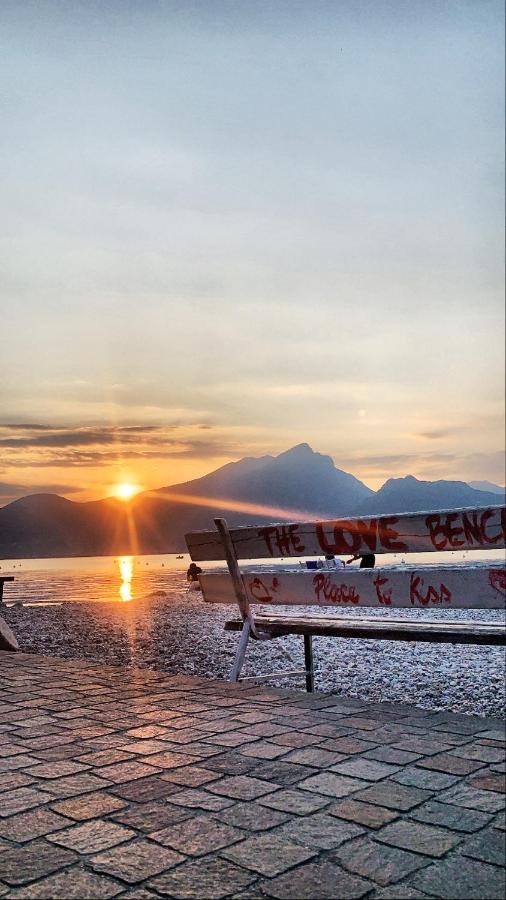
(175, 631)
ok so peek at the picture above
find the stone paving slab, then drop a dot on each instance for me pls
(134, 784)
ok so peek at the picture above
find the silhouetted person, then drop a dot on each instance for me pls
(193, 572)
(367, 560)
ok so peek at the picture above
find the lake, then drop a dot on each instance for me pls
(127, 578)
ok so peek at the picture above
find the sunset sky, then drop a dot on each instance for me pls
(231, 226)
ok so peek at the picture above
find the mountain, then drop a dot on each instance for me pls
(410, 495)
(487, 486)
(297, 483)
(45, 525)
(299, 480)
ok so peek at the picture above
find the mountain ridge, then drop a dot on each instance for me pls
(418, 495)
(487, 486)
(254, 490)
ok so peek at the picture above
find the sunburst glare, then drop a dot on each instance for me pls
(126, 490)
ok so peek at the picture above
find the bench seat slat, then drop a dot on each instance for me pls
(423, 587)
(381, 629)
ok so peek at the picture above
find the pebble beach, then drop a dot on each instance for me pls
(174, 631)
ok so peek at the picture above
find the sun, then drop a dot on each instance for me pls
(126, 490)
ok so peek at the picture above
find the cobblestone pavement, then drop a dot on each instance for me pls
(121, 783)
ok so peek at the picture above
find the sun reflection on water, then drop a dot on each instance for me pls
(126, 568)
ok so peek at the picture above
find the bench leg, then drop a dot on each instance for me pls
(308, 662)
(241, 652)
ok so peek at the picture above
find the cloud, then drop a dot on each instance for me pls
(50, 446)
(60, 439)
(126, 429)
(54, 436)
(434, 435)
(397, 459)
(480, 420)
(27, 427)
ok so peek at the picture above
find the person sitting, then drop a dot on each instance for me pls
(332, 563)
(193, 572)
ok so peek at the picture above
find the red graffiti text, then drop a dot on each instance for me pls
(483, 527)
(497, 579)
(384, 597)
(284, 539)
(260, 592)
(432, 594)
(357, 535)
(328, 592)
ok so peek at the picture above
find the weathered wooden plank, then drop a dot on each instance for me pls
(451, 529)
(385, 629)
(233, 568)
(424, 587)
(314, 622)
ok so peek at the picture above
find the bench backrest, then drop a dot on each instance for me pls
(480, 585)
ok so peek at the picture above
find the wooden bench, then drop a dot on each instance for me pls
(472, 585)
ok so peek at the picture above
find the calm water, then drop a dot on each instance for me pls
(90, 579)
(127, 578)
